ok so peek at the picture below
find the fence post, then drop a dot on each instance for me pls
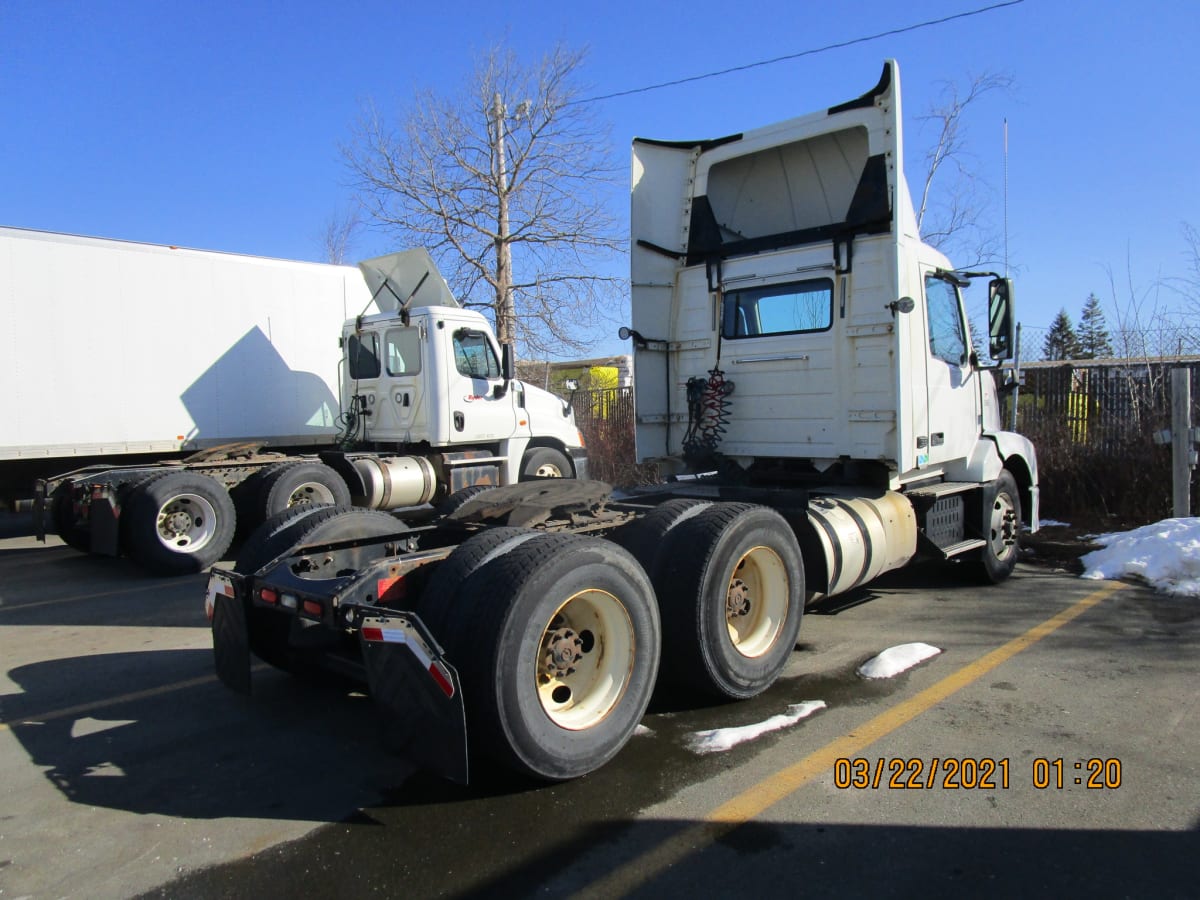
(1181, 441)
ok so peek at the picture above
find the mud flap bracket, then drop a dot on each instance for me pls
(418, 691)
(231, 635)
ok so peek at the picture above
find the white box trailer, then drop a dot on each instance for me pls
(164, 398)
(114, 347)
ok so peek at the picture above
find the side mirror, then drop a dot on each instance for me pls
(508, 363)
(1000, 318)
(508, 368)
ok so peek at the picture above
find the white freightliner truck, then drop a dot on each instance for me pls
(417, 400)
(796, 341)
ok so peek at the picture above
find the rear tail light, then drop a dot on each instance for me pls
(313, 608)
(268, 595)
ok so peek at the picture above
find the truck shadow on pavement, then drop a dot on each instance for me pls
(155, 732)
(758, 859)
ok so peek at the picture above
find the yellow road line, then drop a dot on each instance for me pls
(70, 711)
(768, 792)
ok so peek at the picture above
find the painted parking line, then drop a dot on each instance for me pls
(782, 784)
(18, 607)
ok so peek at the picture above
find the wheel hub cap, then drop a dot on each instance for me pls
(562, 649)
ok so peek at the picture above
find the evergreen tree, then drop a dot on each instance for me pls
(1093, 331)
(1061, 341)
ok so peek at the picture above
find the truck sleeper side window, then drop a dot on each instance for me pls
(402, 348)
(474, 356)
(947, 340)
(792, 308)
(362, 355)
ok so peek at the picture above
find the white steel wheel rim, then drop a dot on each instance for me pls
(585, 660)
(311, 492)
(756, 601)
(185, 523)
(548, 470)
(1002, 536)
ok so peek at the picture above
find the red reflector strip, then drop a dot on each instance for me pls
(312, 607)
(268, 596)
(442, 677)
(438, 672)
(389, 590)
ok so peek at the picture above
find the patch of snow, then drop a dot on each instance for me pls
(642, 730)
(1166, 555)
(1052, 523)
(894, 660)
(718, 740)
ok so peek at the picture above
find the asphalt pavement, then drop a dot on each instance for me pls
(126, 768)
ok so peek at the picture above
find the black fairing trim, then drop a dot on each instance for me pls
(867, 99)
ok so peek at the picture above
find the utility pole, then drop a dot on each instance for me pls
(505, 314)
(1181, 441)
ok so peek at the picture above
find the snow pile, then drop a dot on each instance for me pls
(718, 740)
(894, 660)
(1166, 555)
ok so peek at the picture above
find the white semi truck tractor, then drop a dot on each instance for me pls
(805, 375)
(428, 404)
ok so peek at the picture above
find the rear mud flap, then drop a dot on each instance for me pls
(231, 643)
(419, 692)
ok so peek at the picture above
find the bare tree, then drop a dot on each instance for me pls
(950, 217)
(338, 234)
(508, 184)
(1188, 286)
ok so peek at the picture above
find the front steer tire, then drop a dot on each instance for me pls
(545, 462)
(557, 646)
(1001, 525)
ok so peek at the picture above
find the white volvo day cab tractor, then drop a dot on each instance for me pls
(805, 375)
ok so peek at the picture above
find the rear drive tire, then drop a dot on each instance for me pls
(278, 533)
(645, 537)
(285, 485)
(456, 500)
(730, 587)
(558, 653)
(439, 602)
(62, 515)
(269, 630)
(178, 523)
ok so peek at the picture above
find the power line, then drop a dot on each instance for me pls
(812, 52)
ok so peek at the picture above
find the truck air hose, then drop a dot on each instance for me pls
(708, 415)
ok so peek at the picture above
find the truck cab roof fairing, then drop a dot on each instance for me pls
(395, 278)
(825, 176)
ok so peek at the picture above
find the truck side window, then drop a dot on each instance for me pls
(792, 308)
(402, 349)
(474, 356)
(362, 355)
(947, 340)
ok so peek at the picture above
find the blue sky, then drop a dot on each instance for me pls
(218, 125)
